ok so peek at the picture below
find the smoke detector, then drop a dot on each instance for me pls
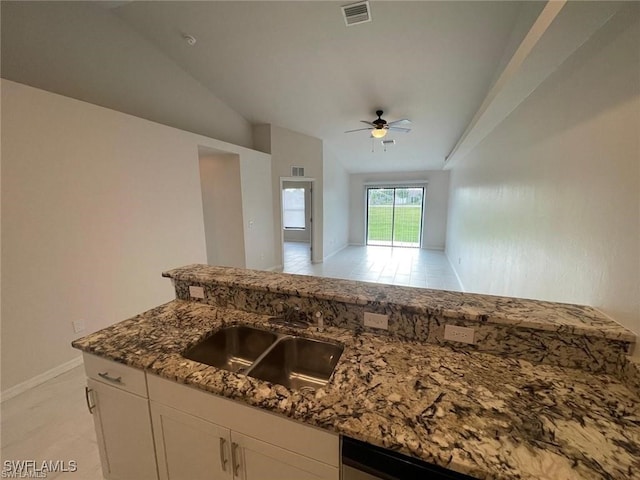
(356, 13)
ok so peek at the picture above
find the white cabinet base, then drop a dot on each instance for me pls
(123, 430)
(200, 436)
(189, 448)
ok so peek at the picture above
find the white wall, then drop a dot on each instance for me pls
(435, 205)
(261, 250)
(95, 205)
(287, 149)
(222, 209)
(331, 186)
(548, 205)
(336, 204)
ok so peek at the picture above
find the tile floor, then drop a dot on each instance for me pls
(413, 267)
(51, 421)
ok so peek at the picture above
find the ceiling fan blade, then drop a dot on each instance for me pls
(400, 129)
(403, 121)
(368, 123)
(358, 130)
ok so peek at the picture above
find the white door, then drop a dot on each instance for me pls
(123, 429)
(257, 460)
(189, 447)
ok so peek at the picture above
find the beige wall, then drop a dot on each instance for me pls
(435, 206)
(548, 205)
(95, 205)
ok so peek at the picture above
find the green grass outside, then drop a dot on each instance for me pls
(406, 224)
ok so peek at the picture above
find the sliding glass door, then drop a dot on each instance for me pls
(394, 216)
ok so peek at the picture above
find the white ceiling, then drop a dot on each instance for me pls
(296, 65)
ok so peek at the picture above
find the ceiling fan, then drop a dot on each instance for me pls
(379, 127)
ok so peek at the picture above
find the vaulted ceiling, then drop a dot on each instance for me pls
(296, 65)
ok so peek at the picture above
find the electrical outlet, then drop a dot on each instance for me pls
(459, 334)
(376, 320)
(78, 326)
(196, 292)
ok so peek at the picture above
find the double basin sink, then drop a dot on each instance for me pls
(289, 360)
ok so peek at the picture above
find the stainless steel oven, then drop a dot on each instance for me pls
(362, 461)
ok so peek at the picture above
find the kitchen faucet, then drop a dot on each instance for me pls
(290, 316)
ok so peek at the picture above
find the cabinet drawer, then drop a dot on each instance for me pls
(116, 374)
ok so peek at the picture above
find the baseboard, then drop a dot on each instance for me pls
(455, 272)
(336, 251)
(38, 379)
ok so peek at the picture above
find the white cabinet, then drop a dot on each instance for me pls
(188, 447)
(257, 460)
(149, 428)
(200, 436)
(121, 419)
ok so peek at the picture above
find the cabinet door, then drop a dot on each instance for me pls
(123, 430)
(257, 460)
(189, 447)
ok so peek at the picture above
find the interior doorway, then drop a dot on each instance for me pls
(297, 220)
(394, 216)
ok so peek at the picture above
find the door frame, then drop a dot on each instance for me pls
(394, 185)
(312, 181)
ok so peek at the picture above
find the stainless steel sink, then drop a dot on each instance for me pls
(292, 361)
(233, 348)
(297, 362)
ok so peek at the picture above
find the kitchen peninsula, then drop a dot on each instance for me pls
(546, 390)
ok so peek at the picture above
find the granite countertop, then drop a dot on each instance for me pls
(534, 314)
(484, 415)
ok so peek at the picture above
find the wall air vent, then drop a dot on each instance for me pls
(356, 13)
(297, 171)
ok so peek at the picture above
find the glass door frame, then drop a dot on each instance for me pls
(394, 187)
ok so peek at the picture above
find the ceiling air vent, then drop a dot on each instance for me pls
(297, 171)
(356, 13)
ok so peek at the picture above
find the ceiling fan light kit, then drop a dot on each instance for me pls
(379, 127)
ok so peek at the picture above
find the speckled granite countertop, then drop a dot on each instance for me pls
(534, 314)
(487, 416)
